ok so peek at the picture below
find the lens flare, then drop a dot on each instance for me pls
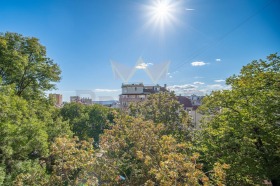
(162, 14)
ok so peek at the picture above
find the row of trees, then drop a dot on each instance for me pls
(152, 143)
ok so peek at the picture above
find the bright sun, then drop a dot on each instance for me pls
(162, 10)
(162, 14)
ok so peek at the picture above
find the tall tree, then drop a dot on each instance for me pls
(243, 124)
(163, 108)
(23, 62)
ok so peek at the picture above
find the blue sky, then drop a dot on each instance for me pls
(205, 41)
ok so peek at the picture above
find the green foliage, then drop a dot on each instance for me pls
(28, 121)
(138, 151)
(163, 108)
(242, 127)
(28, 172)
(73, 162)
(23, 62)
(88, 121)
(21, 132)
(26, 129)
(2, 175)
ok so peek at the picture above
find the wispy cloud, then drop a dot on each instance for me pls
(219, 80)
(218, 60)
(143, 65)
(169, 75)
(198, 89)
(198, 63)
(107, 90)
(182, 89)
(189, 9)
(185, 89)
(198, 83)
(217, 87)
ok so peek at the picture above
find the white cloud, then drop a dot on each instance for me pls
(198, 83)
(198, 63)
(186, 89)
(185, 86)
(219, 80)
(107, 90)
(217, 87)
(143, 65)
(202, 89)
(189, 9)
(169, 75)
(218, 60)
(182, 89)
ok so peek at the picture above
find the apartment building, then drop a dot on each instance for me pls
(135, 92)
(196, 100)
(57, 99)
(191, 106)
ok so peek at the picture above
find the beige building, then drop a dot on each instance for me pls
(192, 110)
(57, 99)
(135, 92)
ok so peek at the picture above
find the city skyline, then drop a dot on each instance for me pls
(204, 41)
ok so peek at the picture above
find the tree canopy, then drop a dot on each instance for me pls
(88, 121)
(243, 124)
(137, 152)
(163, 108)
(24, 63)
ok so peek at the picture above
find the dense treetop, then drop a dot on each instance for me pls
(243, 124)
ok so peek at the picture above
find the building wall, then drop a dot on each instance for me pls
(129, 98)
(137, 92)
(132, 89)
(196, 117)
(191, 109)
(57, 98)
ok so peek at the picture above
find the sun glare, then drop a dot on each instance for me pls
(162, 14)
(162, 10)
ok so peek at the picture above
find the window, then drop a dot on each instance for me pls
(141, 96)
